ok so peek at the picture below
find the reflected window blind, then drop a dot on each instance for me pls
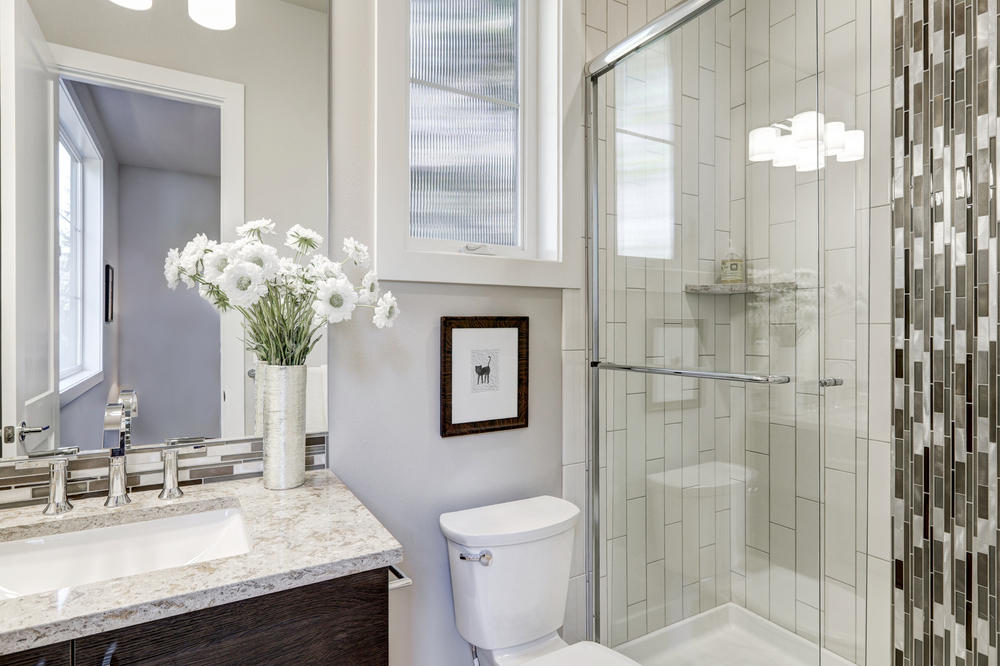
(465, 121)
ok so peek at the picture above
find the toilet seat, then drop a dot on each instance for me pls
(584, 653)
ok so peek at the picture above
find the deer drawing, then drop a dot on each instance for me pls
(483, 372)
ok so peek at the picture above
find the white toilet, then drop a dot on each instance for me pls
(509, 577)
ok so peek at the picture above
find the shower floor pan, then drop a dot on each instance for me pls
(727, 634)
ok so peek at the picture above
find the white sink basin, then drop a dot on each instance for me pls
(55, 561)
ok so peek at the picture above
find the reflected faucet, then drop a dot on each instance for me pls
(117, 426)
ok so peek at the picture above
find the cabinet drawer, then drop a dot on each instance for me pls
(60, 654)
(341, 621)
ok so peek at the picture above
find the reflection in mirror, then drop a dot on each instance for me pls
(165, 129)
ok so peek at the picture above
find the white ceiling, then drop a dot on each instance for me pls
(158, 133)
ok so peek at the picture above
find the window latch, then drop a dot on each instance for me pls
(477, 249)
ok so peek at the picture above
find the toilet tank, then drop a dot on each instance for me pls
(520, 595)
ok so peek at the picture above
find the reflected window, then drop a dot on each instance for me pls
(70, 261)
(466, 121)
(79, 235)
(647, 134)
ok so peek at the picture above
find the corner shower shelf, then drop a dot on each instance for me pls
(739, 288)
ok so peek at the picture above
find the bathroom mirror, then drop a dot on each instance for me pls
(125, 133)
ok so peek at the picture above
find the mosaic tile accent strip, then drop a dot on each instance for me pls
(945, 536)
(220, 460)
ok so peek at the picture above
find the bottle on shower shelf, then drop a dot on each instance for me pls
(732, 268)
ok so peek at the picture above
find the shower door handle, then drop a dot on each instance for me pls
(826, 382)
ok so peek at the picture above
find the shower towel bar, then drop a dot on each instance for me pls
(698, 374)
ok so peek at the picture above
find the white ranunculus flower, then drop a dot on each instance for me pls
(262, 255)
(191, 258)
(302, 240)
(216, 260)
(256, 228)
(369, 291)
(321, 268)
(243, 283)
(335, 300)
(172, 268)
(356, 252)
(386, 311)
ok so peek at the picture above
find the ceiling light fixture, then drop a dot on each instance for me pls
(213, 14)
(805, 142)
(140, 5)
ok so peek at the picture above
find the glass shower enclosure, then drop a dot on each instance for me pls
(728, 253)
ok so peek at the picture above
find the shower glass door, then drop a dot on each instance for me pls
(729, 477)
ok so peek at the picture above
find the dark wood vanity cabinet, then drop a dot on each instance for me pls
(340, 621)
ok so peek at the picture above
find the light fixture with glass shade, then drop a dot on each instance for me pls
(140, 5)
(805, 141)
(213, 14)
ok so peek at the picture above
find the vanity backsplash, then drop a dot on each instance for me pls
(220, 460)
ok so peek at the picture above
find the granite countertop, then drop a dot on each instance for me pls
(306, 535)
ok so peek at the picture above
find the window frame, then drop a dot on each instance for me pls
(551, 252)
(76, 133)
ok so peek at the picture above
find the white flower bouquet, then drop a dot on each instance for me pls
(285, 301)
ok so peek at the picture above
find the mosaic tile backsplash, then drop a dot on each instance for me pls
(945, 536)
(219, 460)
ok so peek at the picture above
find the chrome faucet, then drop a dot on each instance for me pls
(57, 461)
(116, 439)
(168, 454)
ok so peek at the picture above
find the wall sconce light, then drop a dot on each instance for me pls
(213, 14)
(805, 142)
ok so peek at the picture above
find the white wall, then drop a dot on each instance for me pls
(384, 397)
(179, 384)
(81, 422)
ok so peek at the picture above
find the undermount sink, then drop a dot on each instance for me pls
(51, 562)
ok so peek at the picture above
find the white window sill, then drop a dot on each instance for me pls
(72, 387)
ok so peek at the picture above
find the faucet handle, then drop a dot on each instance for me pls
(47, 458)
(178, 441)
(168, 453)
(57, 460)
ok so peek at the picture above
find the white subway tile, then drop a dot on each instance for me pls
(782, 593)
(636, 549)
(758, 500)
(807, 545)
(839, 520)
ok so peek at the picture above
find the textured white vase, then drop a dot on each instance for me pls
(282, 390)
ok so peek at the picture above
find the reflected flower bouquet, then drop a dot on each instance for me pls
(285, 301)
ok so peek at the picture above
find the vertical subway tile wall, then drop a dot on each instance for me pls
(716, 492)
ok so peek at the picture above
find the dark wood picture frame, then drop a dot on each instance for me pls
(448, 325)
(109, 293)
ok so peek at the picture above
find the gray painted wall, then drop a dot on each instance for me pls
(81, 421)
(384, 442)
(384, 389)
(169, 342)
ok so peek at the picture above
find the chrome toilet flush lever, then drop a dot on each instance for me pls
(484, 557)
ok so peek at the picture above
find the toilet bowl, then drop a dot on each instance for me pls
(510, 567)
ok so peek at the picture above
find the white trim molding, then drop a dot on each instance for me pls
(553, 219)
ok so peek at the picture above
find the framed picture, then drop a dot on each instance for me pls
(484, 374)
(109, 293)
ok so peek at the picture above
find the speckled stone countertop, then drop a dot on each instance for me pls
(297, 537)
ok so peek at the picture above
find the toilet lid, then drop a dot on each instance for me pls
(583, 653)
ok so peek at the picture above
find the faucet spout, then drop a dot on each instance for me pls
(115, 430)
(116, 440)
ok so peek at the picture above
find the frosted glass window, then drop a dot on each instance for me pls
(465, 121)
